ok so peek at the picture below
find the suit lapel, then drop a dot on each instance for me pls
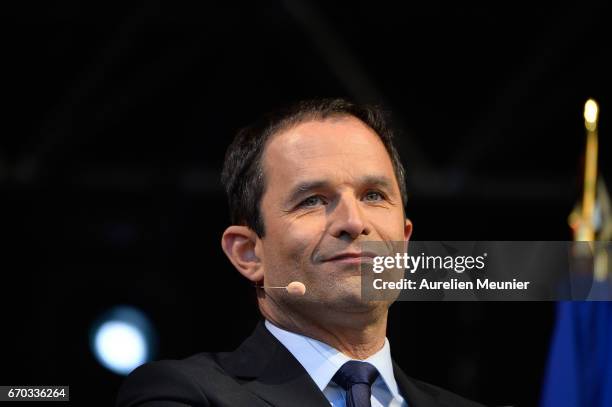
(271, 372)
(415, 395)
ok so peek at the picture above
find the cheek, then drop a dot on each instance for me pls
(301, 240)
(292, 244)
(390, 225)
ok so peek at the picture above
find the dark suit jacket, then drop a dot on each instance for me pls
(261, 372)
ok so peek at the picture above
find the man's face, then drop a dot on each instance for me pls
(330, 186)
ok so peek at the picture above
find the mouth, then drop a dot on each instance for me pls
(352, 258)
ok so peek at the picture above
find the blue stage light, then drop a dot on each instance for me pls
(122, 339)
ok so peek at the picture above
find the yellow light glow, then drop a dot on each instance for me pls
(590, 112)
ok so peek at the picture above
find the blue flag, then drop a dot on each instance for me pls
(579, 372)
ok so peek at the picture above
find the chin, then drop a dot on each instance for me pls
(352, 299)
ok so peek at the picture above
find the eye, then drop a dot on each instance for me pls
(312, 201)
(373, 196)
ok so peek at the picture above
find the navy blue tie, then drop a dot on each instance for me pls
(356, 379)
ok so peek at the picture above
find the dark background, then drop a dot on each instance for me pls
(119, 118)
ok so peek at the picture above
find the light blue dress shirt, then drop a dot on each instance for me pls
(322, 361)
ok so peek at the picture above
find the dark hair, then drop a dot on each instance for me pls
(243, 176)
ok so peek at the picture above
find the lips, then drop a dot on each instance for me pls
(352, 257)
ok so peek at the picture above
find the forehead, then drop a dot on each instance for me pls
(339, 147)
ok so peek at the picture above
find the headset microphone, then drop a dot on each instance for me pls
(294, 288)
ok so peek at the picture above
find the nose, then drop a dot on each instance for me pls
(347, 219)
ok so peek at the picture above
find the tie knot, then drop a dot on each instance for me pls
(354, 372)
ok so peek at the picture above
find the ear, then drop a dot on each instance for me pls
(239, 244)
(407, 233)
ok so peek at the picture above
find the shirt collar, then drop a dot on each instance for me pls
(322, 361)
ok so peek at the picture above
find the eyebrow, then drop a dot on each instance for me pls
(306, 186)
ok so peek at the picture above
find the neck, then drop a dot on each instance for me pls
(358, 335)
